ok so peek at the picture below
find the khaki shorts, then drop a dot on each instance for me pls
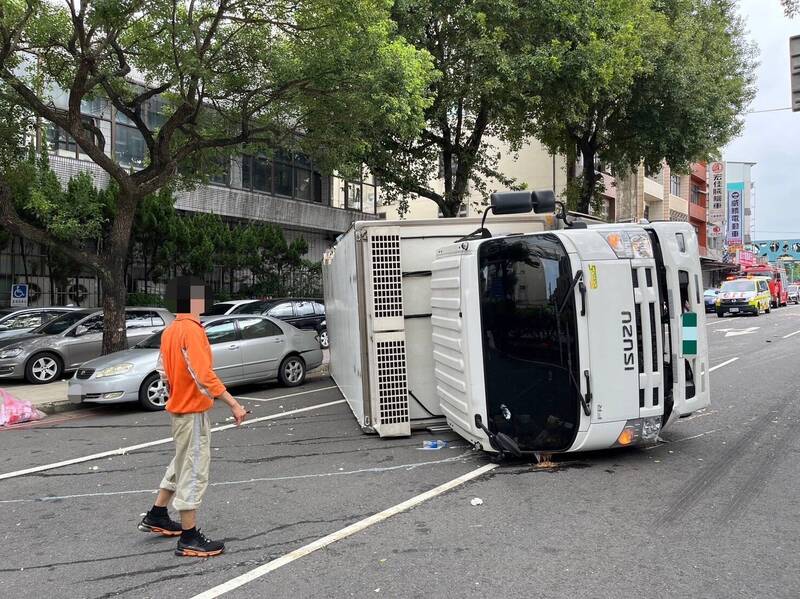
(187, 473)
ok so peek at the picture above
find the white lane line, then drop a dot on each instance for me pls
(225, 483)
(679, 440)
(791, 334)
(725, 363)
(285, 396)
(354, 528)
(129, 449)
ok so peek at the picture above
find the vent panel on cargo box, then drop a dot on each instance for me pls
(391, 385)
(386, 275)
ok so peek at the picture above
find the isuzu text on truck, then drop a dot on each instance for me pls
(543, 335)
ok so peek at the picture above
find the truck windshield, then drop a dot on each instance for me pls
(528, 346)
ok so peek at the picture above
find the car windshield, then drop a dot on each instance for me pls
(62, 323)
(252, 308)
(711, 292)
(217, 310)
(738, 286)
(152, 342)
(792, 288)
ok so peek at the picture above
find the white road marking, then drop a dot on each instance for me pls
(225, 483)
(285, 396)
(694, 416)
(348, 531)
(725, 363)
(679, 440)
(791, 334)
(131, 448)
(737, 332)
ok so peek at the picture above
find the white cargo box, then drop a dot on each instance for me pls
(377, 285)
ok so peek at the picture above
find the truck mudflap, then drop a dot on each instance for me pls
(683, 314)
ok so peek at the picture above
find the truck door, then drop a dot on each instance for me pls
(687, 347)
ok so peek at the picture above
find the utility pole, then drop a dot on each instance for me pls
(794, 62)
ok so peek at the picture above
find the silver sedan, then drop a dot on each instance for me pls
(64, 343)
(245, 349)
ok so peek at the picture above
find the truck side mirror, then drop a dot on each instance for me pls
(511, 202)
(544, 201)
(518, 202)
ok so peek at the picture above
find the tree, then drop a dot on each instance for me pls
(632, 81)
(479, 49)
(791, 7)
(322, 75)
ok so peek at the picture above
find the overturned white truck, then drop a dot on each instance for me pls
(536, 334)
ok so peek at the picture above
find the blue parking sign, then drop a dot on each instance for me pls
(19, 295)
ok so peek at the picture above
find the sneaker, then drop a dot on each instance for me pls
(199, 546)
(162, 525)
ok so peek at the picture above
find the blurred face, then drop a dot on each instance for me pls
(197, 302)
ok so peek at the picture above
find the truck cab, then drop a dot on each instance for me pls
(572, 339)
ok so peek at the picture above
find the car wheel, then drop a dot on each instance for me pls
(720, 315)
(292, 371)
(768, 309)
(44, 368)
(323, 339)
(153, 393)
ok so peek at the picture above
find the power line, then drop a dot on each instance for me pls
(768, 110)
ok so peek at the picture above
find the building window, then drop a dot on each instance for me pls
(352, 195)
(222, 172)
(286, 175)
(129, 146)
(675, 185)
(60, 140)
(697, 196)
(284, 178)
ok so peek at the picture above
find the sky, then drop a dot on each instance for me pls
(771, 139)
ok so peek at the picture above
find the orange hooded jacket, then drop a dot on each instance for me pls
(187, 366)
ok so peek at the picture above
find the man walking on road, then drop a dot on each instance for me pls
(193, 386)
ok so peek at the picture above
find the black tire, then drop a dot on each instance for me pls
(324, 342)
(769, 309)
(44, 368)
(720, 315)
(149, 397)
(292, 371)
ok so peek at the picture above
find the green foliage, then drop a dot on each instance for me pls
(635, 81)
(791, 7)
(479, 98)
(146, 299)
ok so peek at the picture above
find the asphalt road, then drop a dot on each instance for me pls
(709, 512)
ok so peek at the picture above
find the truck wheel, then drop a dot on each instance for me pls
(44, 368)
(153, 393)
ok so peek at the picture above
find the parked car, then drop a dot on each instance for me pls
(246, 349)
(16, 321)
(710, 298)
(794, 293)
(302, 313)
(61, 345)
(223, 308)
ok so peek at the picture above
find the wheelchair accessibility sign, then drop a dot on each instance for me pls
(19, 295)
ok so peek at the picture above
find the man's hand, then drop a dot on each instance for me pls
(239, 413)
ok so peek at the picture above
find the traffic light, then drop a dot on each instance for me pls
(794, 62)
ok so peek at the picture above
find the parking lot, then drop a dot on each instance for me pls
(688, 517)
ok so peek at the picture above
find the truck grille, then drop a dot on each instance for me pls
(648, 340)
(84, 373)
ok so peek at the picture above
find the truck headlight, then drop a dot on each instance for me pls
(629, 244)
(124, 368)
(11, 352)
(639, 430)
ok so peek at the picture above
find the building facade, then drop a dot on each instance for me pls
(532, 166)
(285, 189)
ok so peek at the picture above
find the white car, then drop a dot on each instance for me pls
(225, 308)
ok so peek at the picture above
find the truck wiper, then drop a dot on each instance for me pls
(577, 279)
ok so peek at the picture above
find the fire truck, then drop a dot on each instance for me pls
(777, 281)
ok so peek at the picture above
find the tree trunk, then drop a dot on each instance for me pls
(589, 179)
(114, 263)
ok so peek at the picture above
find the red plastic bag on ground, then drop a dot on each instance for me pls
(14, 411)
